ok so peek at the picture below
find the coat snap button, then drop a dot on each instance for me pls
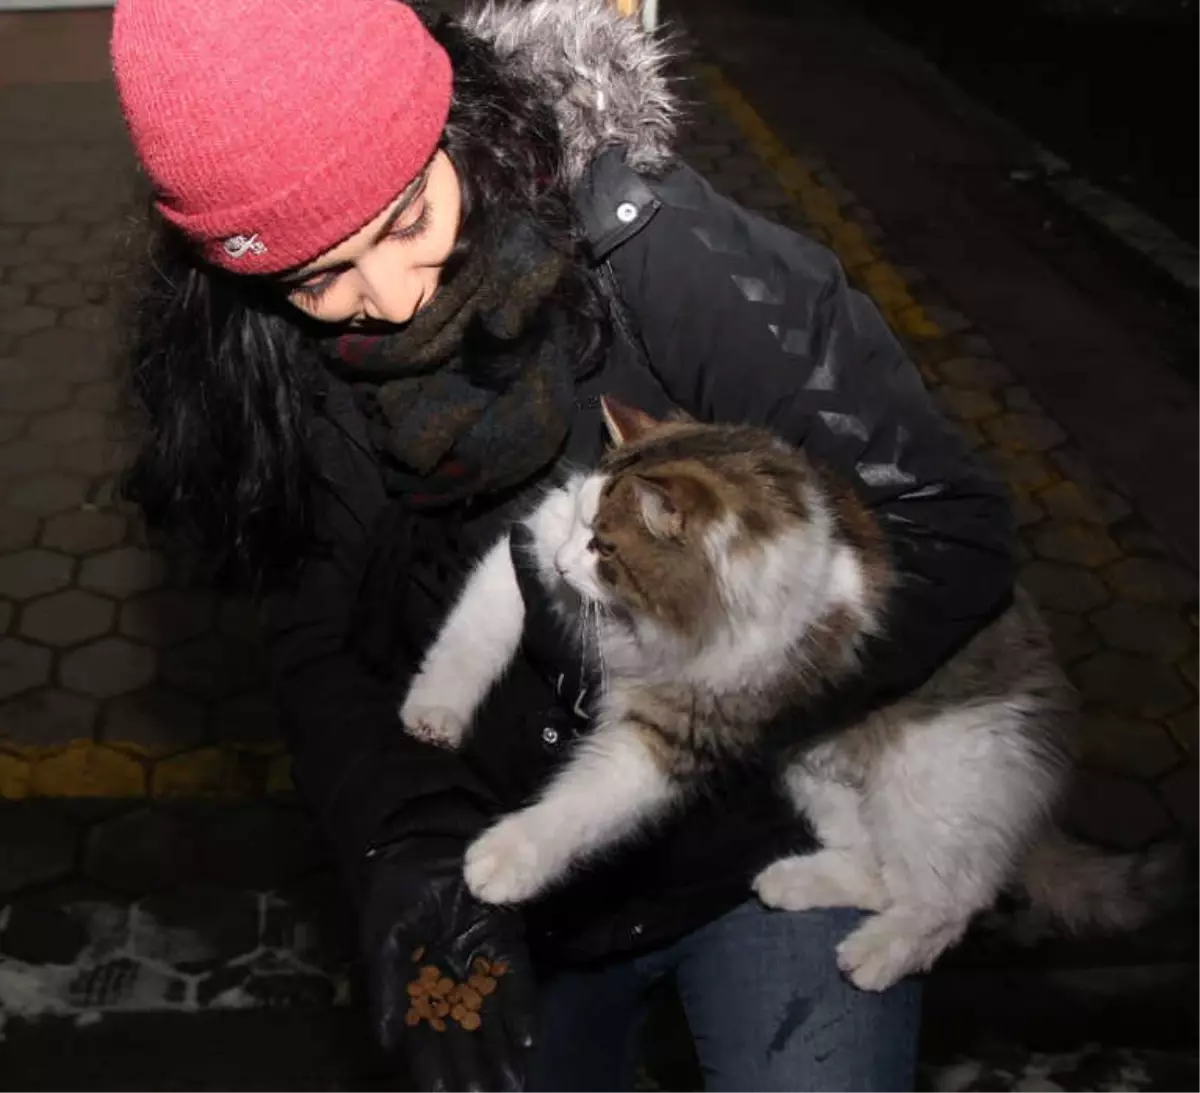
(627, 212)
(550, 735)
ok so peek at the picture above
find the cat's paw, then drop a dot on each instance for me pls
(433, 724)
(882, 951)
(825, 878)
(506, 864)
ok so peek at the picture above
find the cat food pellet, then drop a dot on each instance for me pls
(436, 997)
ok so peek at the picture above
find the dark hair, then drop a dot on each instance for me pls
(224, 372)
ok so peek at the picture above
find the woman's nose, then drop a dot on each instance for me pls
(391, 295)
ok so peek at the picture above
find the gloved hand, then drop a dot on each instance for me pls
(415, 899)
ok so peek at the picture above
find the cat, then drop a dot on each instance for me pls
(723, 579)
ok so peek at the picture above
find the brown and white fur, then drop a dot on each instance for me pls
(723, 580)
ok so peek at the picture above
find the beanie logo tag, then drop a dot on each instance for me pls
(238, 246)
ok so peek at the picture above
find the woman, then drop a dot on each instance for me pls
(400, 258)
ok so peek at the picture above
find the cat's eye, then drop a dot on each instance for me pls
(597, 546)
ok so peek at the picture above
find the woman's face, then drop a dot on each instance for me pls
(390, 269)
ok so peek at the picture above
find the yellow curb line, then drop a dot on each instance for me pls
(885, 284)
(86, 769)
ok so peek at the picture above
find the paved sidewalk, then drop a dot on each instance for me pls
(145, 809)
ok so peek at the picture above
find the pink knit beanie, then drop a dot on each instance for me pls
(274, 129)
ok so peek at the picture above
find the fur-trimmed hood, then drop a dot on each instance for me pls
(603, 73)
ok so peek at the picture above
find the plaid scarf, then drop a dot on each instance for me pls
(474, 394)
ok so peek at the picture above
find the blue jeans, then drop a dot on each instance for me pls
(766, 1004)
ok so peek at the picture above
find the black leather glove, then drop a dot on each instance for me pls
(415, 898)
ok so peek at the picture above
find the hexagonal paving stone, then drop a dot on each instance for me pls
(98, 456)
(1126, 745)
(1024, 473)
(223, 924)
(155, 722)
(1026, 511)
(980, 373)
(22, 666)
(142, 851)
(37, 844)
(15, 774)
(1142, 628)
(1072, 635)
(1024, 432)
(10, 425)
(1114, 810)
(55, 925)
(70, 356)
(1079, 544)
(62, 294)
(1131, 684)
(257, 845)
(250, 722)
(85, 770)
(70, 425)
(167, 616)
(1151, 580)
(13, 295)
(206, 772)
(108, 667)
(967, 404)
(18, 529)
(37, 273)
(24, 457)
(1179, 789)
(1066, 501)
(67, 618)
(100, 395)
(125, 571)
(1064, 587)
(25, 318)
(36, 398)
(84, 531)
(6, 615)
(47, 718)
(48, 493)
(212, 667)
(31, 573)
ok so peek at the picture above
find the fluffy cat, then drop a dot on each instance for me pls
(723, 580)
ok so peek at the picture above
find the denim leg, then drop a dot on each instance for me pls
(589, 1028)
(769, 1009)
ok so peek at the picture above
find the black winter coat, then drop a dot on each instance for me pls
(732, 319)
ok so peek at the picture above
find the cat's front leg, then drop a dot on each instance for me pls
(474, 647)
(611, 788)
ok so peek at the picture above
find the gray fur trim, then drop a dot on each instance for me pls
(603, 72)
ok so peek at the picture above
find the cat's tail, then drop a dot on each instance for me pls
(1088, 889)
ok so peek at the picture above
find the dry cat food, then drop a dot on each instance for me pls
(435, 997)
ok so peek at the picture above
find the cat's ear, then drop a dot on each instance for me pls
(625, 424)
(660, 513)
(669, 502)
